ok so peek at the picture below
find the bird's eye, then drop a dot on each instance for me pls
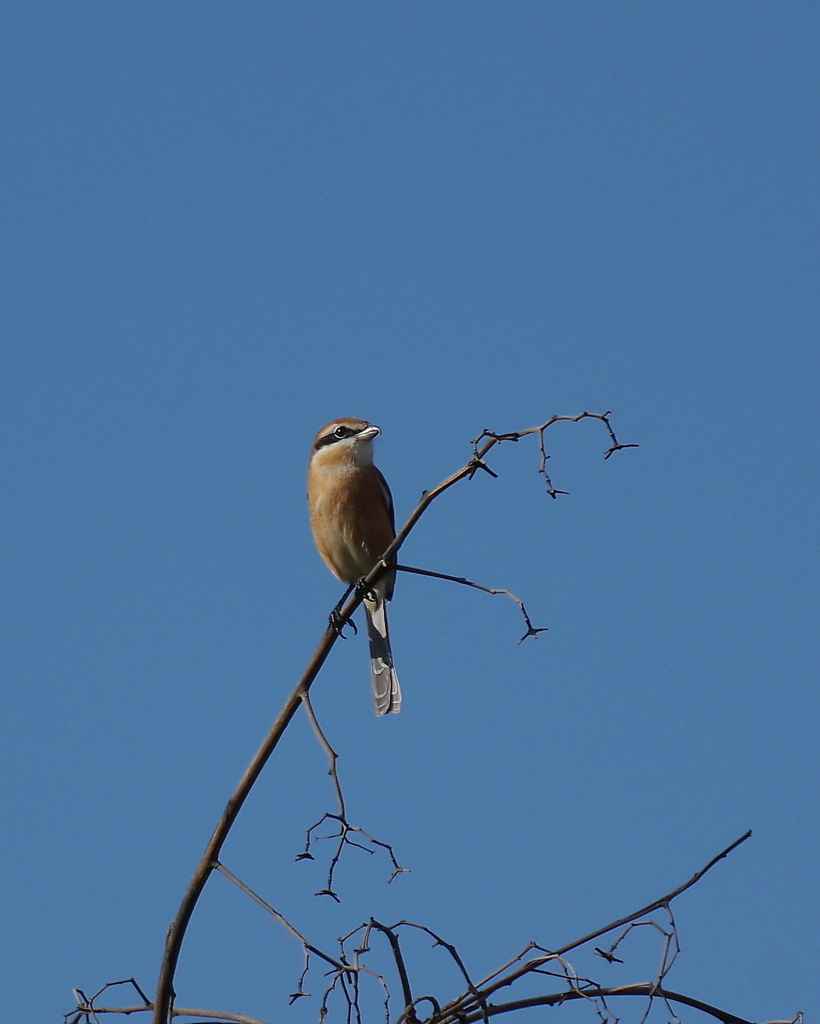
(340, 432)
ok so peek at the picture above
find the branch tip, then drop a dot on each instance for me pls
(328, 892)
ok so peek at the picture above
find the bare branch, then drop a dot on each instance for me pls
(210, 857)
(85, 1005)
(640, 989)
(345, 828)
(185, 1011)
(531, 630)
(662, 902)
(451, 949)
(216, 1015)
(515, 435)
(474, 1004)
(278, 917)
(348, 981)
(401, 967)
(343, 835)
(466, 1003)
(300, 986)
(87, 1009)
(332, 756)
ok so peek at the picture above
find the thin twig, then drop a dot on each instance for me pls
(531, 630)
(85, 1004)
(343, 835)
(332, 756)
(516, 435)
(660, 902)
(300, 986)
(279, 917)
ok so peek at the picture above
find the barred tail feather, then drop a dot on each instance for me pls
(386, 689)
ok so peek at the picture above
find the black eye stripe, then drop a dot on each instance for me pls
(326, 440)
(338, 434)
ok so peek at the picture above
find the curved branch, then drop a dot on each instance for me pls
(401, 967)
(163, 1001)
(641, 989)
(209, 859)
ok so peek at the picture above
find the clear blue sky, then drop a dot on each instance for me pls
(226, 223)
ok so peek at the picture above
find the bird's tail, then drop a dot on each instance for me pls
(386, 689)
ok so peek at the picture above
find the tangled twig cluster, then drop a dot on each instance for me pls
(476, 1002)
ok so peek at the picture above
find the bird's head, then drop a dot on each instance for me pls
(346, 439)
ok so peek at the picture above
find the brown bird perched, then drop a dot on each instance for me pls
(351, 515)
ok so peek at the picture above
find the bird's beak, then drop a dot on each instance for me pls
(368, 433)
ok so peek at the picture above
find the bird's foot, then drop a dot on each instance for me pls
(337, 625)
(362, 589)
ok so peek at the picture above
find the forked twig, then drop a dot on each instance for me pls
(466, 1004)
(345, 828)
(343, 835)
(516, 435)
(86, 1010)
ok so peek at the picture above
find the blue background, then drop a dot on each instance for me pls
(225, 224)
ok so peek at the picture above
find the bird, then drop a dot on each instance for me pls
(353, 524)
